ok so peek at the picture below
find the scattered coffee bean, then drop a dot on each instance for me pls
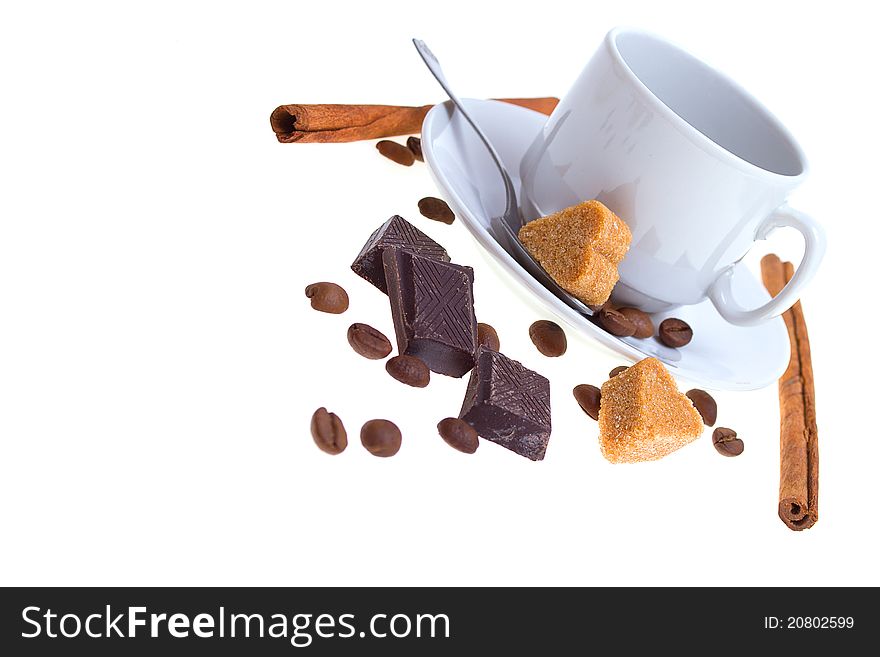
(381, 438)
(415, 145)
(328, 297)
(548, 337)
(368, 342)
(328, 432)
(397, 152)
(726, 442)
(675, 332)
(409, 370)
(641, 320)
(617, 370)
(488, 337)
(436, 209)
(459, 434)
(589, 398)
(615, 322)
(705, 405)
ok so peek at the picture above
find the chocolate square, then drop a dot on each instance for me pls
(432, 305)
(399, 233)
(508, 404)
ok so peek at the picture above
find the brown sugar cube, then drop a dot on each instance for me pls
(580, 248)
(643, 416)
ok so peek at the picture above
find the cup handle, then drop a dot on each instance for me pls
(814, 248)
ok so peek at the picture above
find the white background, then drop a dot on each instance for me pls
(159, 363)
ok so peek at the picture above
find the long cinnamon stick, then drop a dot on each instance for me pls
(341, 123)
(799, 435)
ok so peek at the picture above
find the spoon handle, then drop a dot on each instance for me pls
(431, 61)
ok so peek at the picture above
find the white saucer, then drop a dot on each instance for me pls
(721, 356)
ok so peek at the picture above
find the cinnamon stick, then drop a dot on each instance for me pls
(799, 435)
(341, 123)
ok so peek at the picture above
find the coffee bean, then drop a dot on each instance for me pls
(381, 438)
(675, 332)
(328, 297)
(641, 320)
(488, 337)
(328, 432)
(459, 434)
(617, 370)
(548, 337)
(726, 442)
(409, 370)
(436, 209)
(615, 322)
(397, 152)
(415, 145)
(705, 405)
(368, 342)
(589, 397)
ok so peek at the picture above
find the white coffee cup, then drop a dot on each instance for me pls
(697, 168)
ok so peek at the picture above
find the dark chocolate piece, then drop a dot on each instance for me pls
(396, 232)
(432, 305)
(508, 404)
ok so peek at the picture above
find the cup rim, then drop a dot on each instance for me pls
(692, 133)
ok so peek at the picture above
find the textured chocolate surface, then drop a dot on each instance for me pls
(399, 233)
(432, 305)
(508, 404)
